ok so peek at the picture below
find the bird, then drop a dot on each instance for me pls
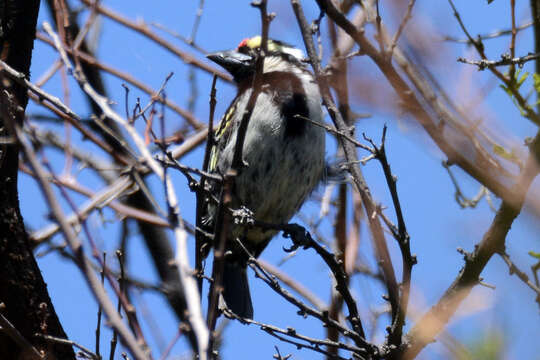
(283, 153)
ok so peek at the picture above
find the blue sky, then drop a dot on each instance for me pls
(437, 225)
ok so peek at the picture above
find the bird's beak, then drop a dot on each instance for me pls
(237, 64)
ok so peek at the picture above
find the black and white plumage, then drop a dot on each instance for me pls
(284, 152)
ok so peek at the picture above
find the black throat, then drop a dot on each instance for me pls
(288, 93)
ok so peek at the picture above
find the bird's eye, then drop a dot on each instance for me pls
(243, 49)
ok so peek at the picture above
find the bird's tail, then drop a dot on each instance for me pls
(236, 289)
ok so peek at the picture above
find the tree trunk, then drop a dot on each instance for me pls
(22, 289)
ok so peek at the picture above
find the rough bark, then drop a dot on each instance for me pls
(22, 289)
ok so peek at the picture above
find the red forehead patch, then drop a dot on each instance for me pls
(243, 43)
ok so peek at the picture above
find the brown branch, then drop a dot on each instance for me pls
(483, 167)
(237, 160)
(199, 236)
(402, 237)
(307, 342)
(59, 108)
(293, 284)
(92, 61)
(433, 322)
(76, 246)
(142, 29)
(302, 238)
(223, 215)
(121, 184)
(404, 21)
(352, 158)
(505, 61)
(121, 209)
(514, 270)
(509, 81)
(321, 315)
(340, 81)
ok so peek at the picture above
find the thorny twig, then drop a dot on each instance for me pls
(352, 158)
(307, 342)
(75, 245)
(199, 236)
(302, 238)
(223, 221)
(402, 237)
(461, 199)
(492, 242)
(194, 315)
(506, 59)
(293, 284)
(100, 310)
(514, 270)
(509, 81)
(143, 29)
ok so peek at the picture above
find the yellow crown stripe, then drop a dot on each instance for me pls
(256, 41)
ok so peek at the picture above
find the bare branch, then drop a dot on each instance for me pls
(424, 331)
(144, 30)
(506, 59)
(352, 159)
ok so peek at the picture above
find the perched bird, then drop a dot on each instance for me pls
(283, 151)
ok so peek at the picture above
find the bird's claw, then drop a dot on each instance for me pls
(243, 216)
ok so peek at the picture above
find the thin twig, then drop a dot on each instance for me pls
(513, 269)
(509, 81)
(506, 60)
(493, 241)
(114, 339)
(86, 351)
(493, 35)
(199, 237)
(404, 21)
(143, 29)
(100, 310)
(308, 342)
(512, 69)
(352, 158)
(293, 284)
(403, 239)
(223, 221)
(91, 60)
(76, 246)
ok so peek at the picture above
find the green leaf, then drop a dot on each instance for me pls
(534, 254)
(522, 79)
(506, 90)
(536, 82)
(514, 84)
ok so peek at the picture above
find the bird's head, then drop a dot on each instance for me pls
(240, 62)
